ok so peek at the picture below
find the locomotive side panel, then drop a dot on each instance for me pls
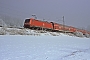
(48, 25)
(41, 24)
(36, 23)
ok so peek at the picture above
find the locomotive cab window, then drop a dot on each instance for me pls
(27, 20)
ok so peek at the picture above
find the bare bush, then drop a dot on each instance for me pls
(3, 31)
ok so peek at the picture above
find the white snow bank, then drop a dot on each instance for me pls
(24, 31)
(44, 48)
(17, 31)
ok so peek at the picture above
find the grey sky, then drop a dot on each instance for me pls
(76, 12)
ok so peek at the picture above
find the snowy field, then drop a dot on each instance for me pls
(27, 47)
(26, 44)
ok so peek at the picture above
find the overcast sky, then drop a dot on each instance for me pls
(76, 12)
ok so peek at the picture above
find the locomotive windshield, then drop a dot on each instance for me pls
(27, 20)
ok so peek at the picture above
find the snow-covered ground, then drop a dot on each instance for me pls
(35, 45)
(24, 31)
(17, 31)
(19, 47)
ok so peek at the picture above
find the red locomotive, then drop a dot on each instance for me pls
(37, 24)
(33, 23)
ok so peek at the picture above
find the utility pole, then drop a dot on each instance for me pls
(43, 26)
(63, 25)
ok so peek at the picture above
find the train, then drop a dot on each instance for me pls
(52, 26)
